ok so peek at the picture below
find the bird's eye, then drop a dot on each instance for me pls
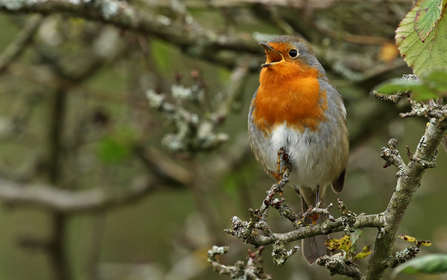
(293, 53)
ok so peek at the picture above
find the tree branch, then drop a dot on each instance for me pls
(248, 231)
(409, 179)
(164, 167)
(193, 38)
(68, 201)
(253, 269)
(21, 42)
(125, 16)
(337, 265)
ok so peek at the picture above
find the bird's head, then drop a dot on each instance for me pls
(289, 54)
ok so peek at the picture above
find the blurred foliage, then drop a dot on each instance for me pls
(103, 74)
(428, 264)
(116, 147)
(431, 86)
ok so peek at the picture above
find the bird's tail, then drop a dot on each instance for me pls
(313, 247)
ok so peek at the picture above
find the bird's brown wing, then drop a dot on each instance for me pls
(337, 184)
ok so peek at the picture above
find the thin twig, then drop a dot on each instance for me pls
(22, 40)
(386, 97)
(234, 89)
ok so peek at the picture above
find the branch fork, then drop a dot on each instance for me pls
(252, 269)
(392, 157)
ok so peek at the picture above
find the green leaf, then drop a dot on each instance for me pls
(355, 236)
(436, 80)
(427, 16)
(396, 85)
(430, 54)
(117, 145)
(428, 264)
(364, 253)
(332, 244)
(423, 92)
(162, 54)
(419, 90)
(111, 151)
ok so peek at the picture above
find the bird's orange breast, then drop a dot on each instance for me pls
(291, 96)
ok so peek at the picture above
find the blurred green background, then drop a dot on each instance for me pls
(104, 117)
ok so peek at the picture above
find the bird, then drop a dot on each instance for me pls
(297, 109)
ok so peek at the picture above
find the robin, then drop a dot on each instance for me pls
(298, 110)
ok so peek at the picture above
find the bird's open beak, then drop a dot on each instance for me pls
(272, 56)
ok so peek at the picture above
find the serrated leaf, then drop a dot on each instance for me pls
(427, 16)
(428, 264)
(422, 56)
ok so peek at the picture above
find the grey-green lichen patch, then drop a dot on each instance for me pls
(108, 8)
(192, 132)
(18, 4)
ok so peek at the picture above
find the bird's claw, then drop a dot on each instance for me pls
(278, 175)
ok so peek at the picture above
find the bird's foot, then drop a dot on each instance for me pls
(313, 216)
(278, 175)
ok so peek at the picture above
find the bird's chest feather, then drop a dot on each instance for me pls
(288, 114)
(306, 151)
(299, 103)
